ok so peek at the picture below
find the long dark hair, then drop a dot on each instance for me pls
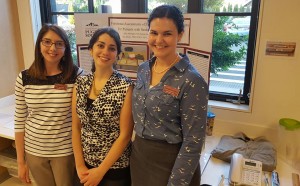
(112, 33)
(170, 12)
(38, 69)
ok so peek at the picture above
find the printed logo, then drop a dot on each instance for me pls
(90, 29)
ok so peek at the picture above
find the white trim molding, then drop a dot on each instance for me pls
(30, 24)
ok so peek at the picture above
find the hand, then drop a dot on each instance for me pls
(23, 173)
(93, 177)
(81, 172)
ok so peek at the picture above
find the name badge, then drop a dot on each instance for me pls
(60, 86)
(171, 90)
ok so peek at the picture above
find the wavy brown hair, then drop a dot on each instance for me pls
(38, 69)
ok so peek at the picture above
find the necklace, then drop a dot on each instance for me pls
(96, 92)
(159, 72)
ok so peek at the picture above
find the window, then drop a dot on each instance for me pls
(233, 43)
(181, 4)
(231, 75)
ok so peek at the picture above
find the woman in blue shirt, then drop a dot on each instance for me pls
(169, 108)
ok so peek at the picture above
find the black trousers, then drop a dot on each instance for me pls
(151, 163)
(115, 177)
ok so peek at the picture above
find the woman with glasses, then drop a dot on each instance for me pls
(102, 118)
(169, 108)
(43, 111)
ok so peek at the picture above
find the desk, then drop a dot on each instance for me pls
(7, 109)
(216, 168)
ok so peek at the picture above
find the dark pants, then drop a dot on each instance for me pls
(115, 177)
(151, 163)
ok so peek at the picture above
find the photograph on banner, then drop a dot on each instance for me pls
(132, 56)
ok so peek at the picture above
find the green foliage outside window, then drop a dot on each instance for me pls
(223, 57)
(212, 5)
(72, 39)
(181, 4)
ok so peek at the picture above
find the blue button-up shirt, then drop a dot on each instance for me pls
(174, 111)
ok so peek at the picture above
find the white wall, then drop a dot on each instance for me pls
(276, 83)
(276, 80)
(20, 23)
(11, 55)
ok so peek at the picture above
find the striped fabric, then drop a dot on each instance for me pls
(44, 114)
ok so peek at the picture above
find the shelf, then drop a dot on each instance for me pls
(8, 159)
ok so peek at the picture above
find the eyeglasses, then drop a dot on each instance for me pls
(57, 44)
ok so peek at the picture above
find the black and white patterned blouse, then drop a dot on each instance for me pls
(100, 122)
